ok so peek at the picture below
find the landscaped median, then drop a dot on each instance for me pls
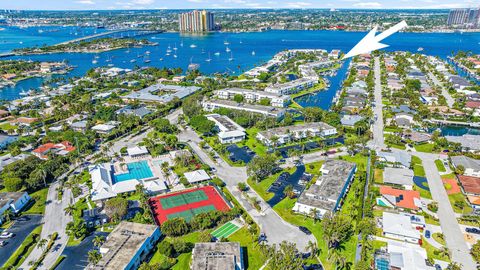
(22, 252)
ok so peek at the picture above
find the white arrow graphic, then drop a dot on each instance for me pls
(371, 42)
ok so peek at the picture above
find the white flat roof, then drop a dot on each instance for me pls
(399, 225)
(196, 176)
(137, 151)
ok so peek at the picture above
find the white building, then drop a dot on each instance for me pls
(399, 176)
(291, 87)
(401, 227)
(328, 191)
(252, 96)
(137, 151)
(229, 131)
(104, 128)
(15, 201)
(196, 176)
(106, 183)
(211, 105)
(286, 134)
(471, 166)
(127, 246)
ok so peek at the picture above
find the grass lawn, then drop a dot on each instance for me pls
(284, 208)
(39, 197)
(423, 193)
(378, 176)
(247, 241)
(262, 186)
(392, 129)
(440, 166)
(13, 262)
(397, 146)
(448, 176)
(439, 238)
(418, 169)
(425, 147)
(7, 126)
(313, 168)
(252, 142)
(458, 198)
(359, 159)
(432, 252)
(183, 261)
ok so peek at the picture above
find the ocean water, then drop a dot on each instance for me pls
(247, 50)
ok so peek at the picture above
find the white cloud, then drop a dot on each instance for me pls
(85, 2)
(143, 2)
(368, 5)
(298, 4)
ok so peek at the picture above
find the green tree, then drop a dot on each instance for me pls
(238, 98)
(94, 257)
(116, 208)
(13, 184)
(175, 227)
(261, 167)
(98, 240)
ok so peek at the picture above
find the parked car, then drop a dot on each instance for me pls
(438, 267)
(473, 230)
(3, 243)
(305, 230)
(5, 235)
(427, 234)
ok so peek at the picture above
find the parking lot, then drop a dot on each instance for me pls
(244, 154)
(76, 257)
(309, 146)
(22, 227)
(298, 180)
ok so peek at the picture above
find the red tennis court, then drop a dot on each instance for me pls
(187, 203)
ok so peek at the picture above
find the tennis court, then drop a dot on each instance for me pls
(183, 198)
(187, 203)
(225, 230)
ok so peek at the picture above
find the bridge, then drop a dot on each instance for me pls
(136, 33)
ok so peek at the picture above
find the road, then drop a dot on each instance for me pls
(448, 221)
(55, 220)
(378, 140)
(445, 93)
(275, 228)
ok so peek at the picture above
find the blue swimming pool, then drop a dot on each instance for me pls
(136, 170)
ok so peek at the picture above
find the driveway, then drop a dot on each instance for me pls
(77, 256)
(22, 227)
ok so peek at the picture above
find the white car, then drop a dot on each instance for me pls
(6, 235)
(3, 243)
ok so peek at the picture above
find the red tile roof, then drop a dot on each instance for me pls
(472, 104)
(409, 196)
(470, 184)
(43, 149)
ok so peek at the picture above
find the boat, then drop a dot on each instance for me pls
(203, 51)
(110, 65)
(226, 42)
(40, 31)
(253, 53)
(175, 47)
(209, 59)
(217, 54)
(147, 52)
(94, 61)
(420, 49)
(228, 49)
(147, 61)
(161, 59)
(181, 43)
(133, 60)
(175, 56)
(139, 55)
(23, 93)
(193, 46)
(167, 54)
(231, 57)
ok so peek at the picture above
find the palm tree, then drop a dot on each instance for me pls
(8, 215)
(94, 256)
(444, 252)
(42, 243)
(312, 247)
(314, 214)
(98, 241)
(69, 209)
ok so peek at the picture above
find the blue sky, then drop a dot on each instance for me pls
(215, 4)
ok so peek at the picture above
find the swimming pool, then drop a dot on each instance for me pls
(136, 170)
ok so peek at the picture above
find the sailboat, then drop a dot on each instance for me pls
(253, 53)
(193, 46)
(209, 59)
(175, 56)
(169, 49)
(181, 43)
(94, 61)
(217, 54)
(175, 47)
(147, 52)
(231, 57)
(228, 49)
(133, 60)
(226, 42)
(161, 59)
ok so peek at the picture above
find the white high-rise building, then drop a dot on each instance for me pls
(196, 21)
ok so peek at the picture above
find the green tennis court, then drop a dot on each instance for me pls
(225, 230)
(183, 199)
(189, 214)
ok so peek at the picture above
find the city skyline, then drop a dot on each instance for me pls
(233, 4)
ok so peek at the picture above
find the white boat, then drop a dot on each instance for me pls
(94, 61)
(175, 47)
(209, 59)
(147, 52)
(253, 53)
(167, 54)
(217, 54)
(23, 93)
(110, 65)
(147, 61)
(226, 42)
(420, 49)
(231, 57)
(133, 60)
(175, 56)
(228, 49)
(193, 46)
(181, 44)
(161, 59)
